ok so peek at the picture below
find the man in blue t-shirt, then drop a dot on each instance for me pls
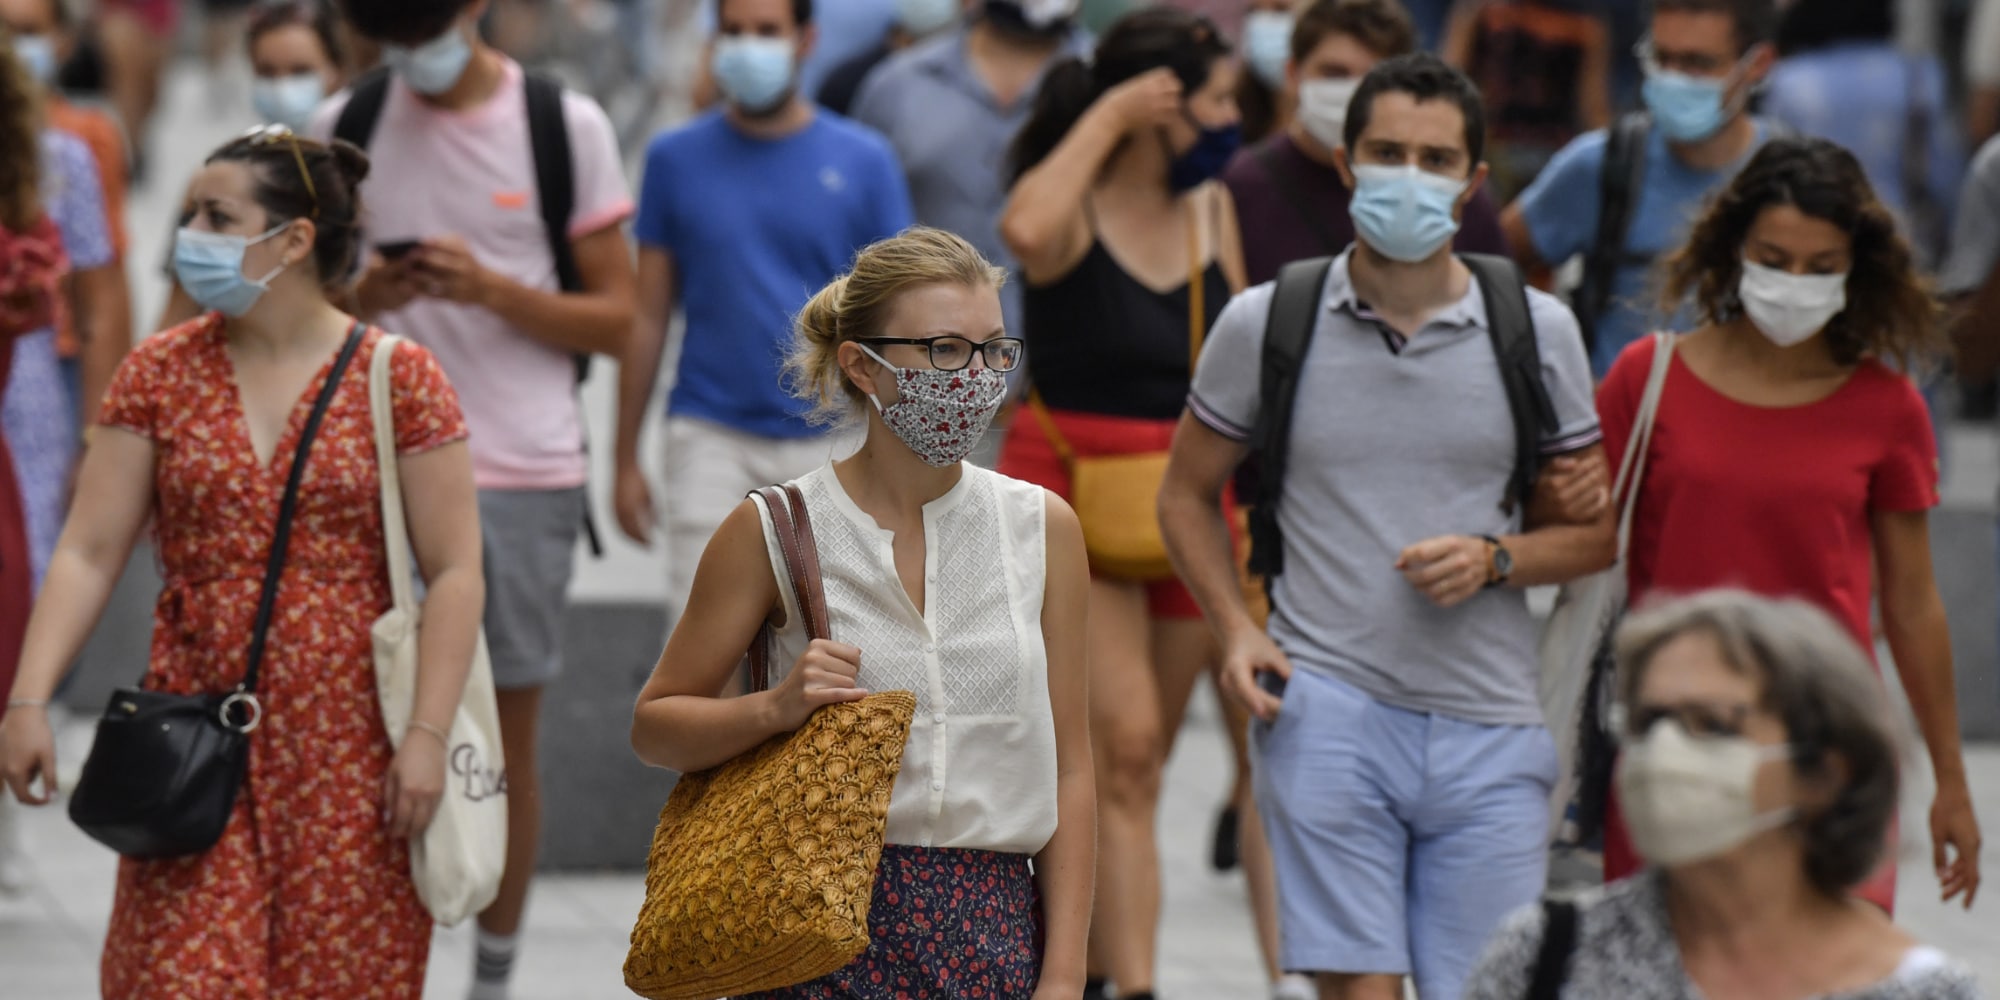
(744, 213)
(1703, 60)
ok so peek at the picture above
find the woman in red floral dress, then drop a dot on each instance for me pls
(308, 894)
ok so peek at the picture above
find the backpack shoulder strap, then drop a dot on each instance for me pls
(1559, 920)
(555, 172)
(1511, 325)
(363, 111)
(1288, 335)
(1620, 179)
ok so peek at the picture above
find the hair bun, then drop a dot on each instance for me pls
(350, 161)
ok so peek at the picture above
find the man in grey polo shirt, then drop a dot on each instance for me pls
(1404, 776)
(951, 105)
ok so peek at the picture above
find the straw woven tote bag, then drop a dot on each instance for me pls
(763, 868)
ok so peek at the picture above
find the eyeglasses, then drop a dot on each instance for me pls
(1700, 719)
(265, 135)
(1652, 61)
(953, 353)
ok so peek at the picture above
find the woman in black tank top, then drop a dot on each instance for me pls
(1129, 251)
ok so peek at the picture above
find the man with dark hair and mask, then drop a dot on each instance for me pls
(460, 261)
(743, 212)
(1403, 771)
(951, 105)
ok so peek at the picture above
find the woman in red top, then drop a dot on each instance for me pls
(1787, 458)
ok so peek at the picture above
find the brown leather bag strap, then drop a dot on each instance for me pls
(787, 507)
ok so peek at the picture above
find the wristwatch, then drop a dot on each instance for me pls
(1501, 566)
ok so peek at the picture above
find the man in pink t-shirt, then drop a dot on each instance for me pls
(461, 261)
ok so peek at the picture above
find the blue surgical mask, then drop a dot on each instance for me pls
(209, 267)
(754, 73)
(921, 17)
(433, 67)
(1686, 108)
(1206, 158)
(38, 56)
(1404, 213)
(1267, 45)
(287, 100)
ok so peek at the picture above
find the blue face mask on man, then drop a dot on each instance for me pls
(1267, 45)
(209, 267)
(1686, 108)
(433, 67)
(918, 18)
(756, 74)
(1404, 213)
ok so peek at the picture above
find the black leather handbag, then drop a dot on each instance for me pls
(163, 774)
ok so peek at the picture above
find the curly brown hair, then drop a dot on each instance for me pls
(20, 140)
(1891, 313)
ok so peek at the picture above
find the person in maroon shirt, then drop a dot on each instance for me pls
(1290, 201)
(1788, 457)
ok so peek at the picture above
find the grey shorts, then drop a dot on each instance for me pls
(530, 546)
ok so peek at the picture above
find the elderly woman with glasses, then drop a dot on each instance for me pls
(1759, 775)
(308, 892)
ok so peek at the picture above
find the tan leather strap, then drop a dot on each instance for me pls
(1048, 422)
(1197, 313)
(787, 507)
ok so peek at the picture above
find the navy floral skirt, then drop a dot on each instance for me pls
(943, 923)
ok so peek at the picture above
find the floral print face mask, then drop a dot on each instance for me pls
(941, 415)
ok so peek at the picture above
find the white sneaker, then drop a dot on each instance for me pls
(15, 876)
(1294, 987)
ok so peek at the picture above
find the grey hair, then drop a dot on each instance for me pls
(1820, 684)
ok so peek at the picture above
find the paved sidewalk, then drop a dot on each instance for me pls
(577, 924)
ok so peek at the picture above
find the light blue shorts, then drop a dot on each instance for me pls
(1401, 838)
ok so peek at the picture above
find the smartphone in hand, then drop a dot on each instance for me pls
(397, 250)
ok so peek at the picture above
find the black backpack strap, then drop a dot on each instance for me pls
(363, 111)
(555, 173)
(1288, 335)
(1511, 326)
(555, 189)
(1287, 183)
(1620, 178)
(274, 565)
(1559, 920)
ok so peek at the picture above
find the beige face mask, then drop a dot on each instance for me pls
(1687, 799)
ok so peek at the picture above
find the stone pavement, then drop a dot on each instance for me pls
(577, 923)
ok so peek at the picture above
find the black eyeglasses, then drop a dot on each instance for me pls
(953, 353)
(265, 135)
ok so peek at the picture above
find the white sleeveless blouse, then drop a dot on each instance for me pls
(980, 768)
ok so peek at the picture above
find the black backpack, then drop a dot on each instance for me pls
(555, 184)
(1288, 336)
(1618, 183)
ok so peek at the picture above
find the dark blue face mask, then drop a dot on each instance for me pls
(1206, 158)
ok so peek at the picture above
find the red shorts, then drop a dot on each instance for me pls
(1028, 456)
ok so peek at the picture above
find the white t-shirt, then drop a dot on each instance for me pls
(471, 174)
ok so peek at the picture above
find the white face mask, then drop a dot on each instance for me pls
(1687, 799)
(1323, 109)
(1790, 308)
